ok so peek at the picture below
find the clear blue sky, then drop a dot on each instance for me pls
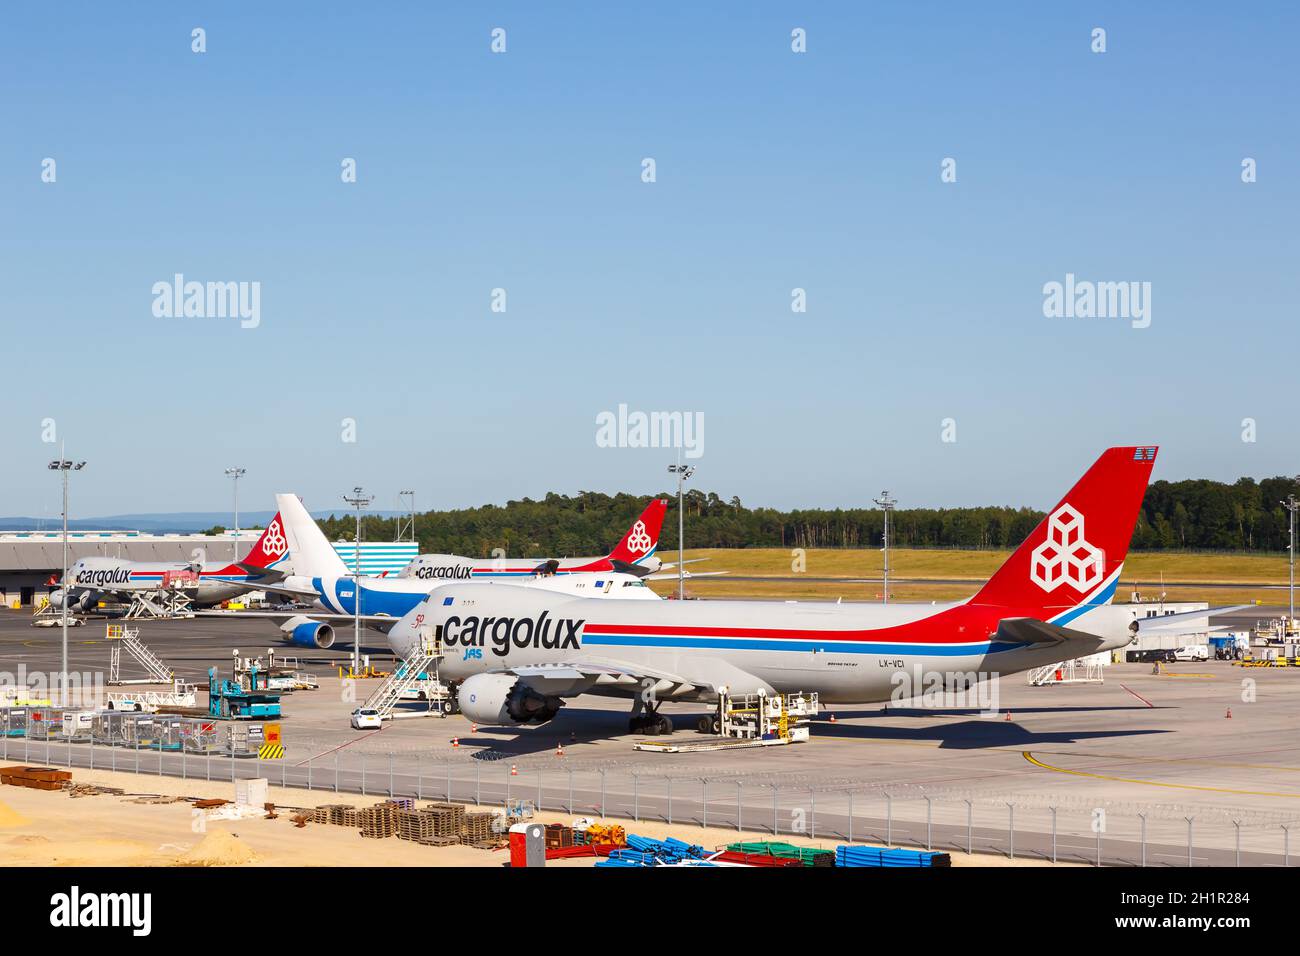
(522, 171)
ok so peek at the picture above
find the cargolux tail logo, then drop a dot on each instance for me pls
(273, 542)
(1066, 557)
(638, 541)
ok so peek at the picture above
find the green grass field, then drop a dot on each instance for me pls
(912, 574)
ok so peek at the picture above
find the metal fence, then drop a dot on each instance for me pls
(1020, 825)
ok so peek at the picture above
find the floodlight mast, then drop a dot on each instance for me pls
(358, 499)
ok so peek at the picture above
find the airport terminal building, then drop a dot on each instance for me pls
(31, 562)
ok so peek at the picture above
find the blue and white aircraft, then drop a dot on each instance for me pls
(320, 577)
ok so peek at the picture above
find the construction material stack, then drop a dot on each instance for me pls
(883, 856)
(35, 778)
(806, 856)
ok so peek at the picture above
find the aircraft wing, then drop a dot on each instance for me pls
(688, 575)
(285, 615)
(571, 678)
(274, 584)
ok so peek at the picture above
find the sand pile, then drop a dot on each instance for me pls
(9, 818)
(218, 848)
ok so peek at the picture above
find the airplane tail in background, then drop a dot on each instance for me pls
(312, 554)
(642, 539)
(1072, 560)
(271, 547)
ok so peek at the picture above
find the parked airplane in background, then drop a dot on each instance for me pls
(91, 580)
(518, 653)
(634, 554)
(321, 577)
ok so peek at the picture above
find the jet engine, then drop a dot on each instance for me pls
(501, 699)
(304, 632)
(79, 602)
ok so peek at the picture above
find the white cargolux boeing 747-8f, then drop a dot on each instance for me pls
(518, 653)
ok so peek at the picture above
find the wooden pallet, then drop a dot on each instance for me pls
(415, 825)
(439, 840)
(377, 823)
(477, 828)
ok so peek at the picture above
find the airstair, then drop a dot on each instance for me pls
(182, 694)
(1082, 671)
(161, 604)
(126, 638)
(406, 675)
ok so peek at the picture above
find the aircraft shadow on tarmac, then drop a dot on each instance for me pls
(575, 727)
(972, 734)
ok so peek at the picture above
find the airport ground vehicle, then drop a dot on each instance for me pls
(364, 718)
(1191, 652)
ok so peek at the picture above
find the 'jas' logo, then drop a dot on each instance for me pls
(504, 632)
(74, 908)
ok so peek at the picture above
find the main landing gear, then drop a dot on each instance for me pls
(646, 719)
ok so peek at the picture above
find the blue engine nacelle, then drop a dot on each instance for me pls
(305, 632)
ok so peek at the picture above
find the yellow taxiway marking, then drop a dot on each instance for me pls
(1154, 783)
(1205, 761)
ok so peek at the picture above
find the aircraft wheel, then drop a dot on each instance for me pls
(704, 725)
(663, 725)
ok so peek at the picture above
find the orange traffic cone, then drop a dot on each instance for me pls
(455, 742)
(1229, 713)
(1008, 715)
(513, 771)
(559, 750)
(832, 718)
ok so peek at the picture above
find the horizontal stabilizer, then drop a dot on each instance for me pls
(1184, 622)
(263, 574)
(1028, 630)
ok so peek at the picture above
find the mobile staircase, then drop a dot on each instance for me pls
(122, 638)
(412, 670)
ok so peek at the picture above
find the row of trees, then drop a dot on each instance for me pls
(1187, 515)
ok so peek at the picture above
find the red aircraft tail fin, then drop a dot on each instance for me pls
(642, 538)
(1074, 555)
(270, 547)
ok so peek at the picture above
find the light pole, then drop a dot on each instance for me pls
(65, 466)
(358, 499)
(683, 472)
(886, 504)
(1291, 505)
(236, 474)
(410, 516)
